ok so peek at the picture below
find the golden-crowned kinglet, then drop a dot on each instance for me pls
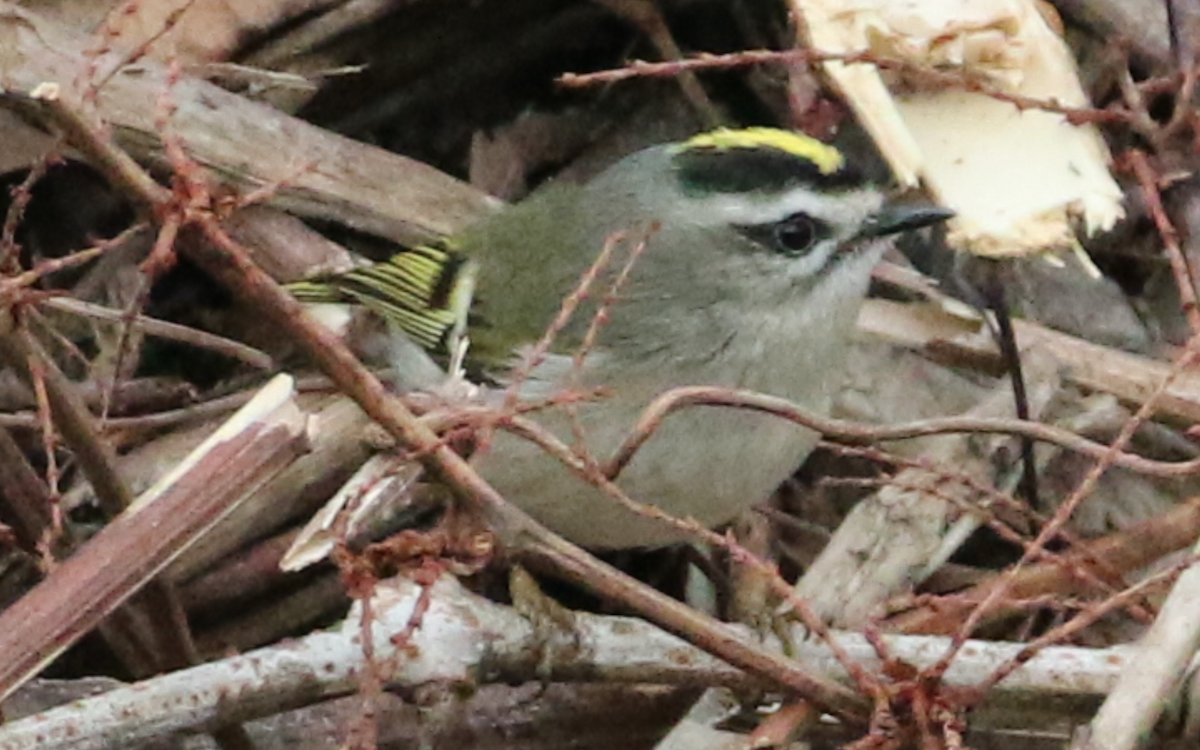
(758, 251)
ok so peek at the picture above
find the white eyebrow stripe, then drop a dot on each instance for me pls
(842, 210)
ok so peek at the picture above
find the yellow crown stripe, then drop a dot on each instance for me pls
(826, 158)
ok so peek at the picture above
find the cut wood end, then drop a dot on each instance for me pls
(1021, 181)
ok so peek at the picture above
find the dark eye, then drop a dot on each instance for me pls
(796, 234)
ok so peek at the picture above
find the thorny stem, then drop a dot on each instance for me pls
(91, 81)
(598, 319)
(843, 430)
(571, 302)
(588, 472)
(21, 195)
(207, 244)
(225, 260)
(1085, 562)
(1084, 619)
(1148, 182)
(961, 79)
(231, 265)
(1067, 510)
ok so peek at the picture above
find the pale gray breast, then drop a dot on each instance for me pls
(707, 464)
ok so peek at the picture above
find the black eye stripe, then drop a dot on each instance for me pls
(792, 236)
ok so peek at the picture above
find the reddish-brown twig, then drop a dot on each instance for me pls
(842, 430)
(1148, 182)
(961, 79)
(1067, 508)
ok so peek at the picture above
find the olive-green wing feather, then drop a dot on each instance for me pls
(531, 260)
(425, 291)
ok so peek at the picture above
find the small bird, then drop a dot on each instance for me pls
(741, 260)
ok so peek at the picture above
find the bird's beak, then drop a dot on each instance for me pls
(902, 216)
